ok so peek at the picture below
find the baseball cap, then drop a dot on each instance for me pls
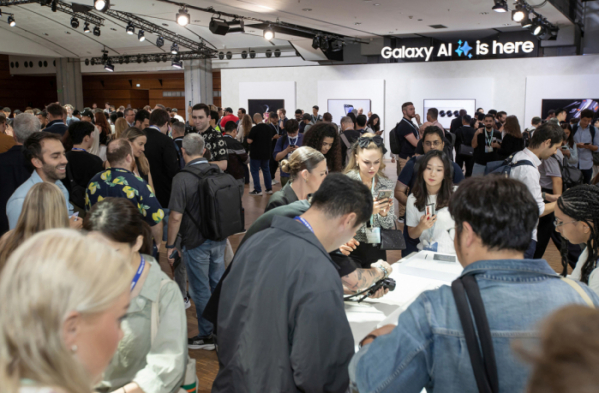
(87, 113)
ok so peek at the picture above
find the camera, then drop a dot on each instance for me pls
(385, 283)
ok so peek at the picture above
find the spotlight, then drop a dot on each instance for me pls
(337, 45)
(244, 55)
(121, 60)
(86, 28)
(229, 55)
(130, 29)
(93, 62)
(221, 55)
(145, 59)
(141, 36)
(86, 62)
(138, 59)
(183, 17)
(175, 48)
(526, 22)
(316, 42)
(11, 21)
(324, 44)
(277, 53)
(160, 42)
(537, 27)
(74, 22)
(164, 58)
(54, 5)
(102, 5)
(218, 26)
(268, 53)
(252, 54)
(500, 6)
(109, 67)
(177, 63)
(553, 34)
(519, 13)
(97, 31)
(240, 27)
(127, 60)
(269, 33)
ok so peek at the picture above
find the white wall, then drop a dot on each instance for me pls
(495, 84)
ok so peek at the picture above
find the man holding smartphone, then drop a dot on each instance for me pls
(587, 142)
(287, 144)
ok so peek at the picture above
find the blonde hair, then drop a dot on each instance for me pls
(131, 134)
(356, 149)
(120, 126)
(52, 274)
(303, 158)
(44, 208)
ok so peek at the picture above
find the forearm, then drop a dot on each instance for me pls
(557, 185)
(549, 208)
(157, 233)
(221, 164)
(361, 279)
(174, 224)
(415, 232)
(281, 155)
(129, 388)
(475, 142)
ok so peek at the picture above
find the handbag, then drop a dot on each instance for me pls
(189, 383)
(392, 239)
(466, 151)
(571, 176)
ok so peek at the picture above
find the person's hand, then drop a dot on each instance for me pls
(276, 136)
(551, 197)
(496, 145)
(566, 153)
(348, 247)
(417, 117)
(169, 251)
(581, 146)
(379, 293)
(377, 333)
(75, 223)
(381, 207)
(379, 133)
(478, 132)
(427, 222)
(393, 160)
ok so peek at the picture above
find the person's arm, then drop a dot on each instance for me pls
(171, 160)
(475, 138)
(401, 193)
(549, 208)
(174, 224)
(573, 159)
(280, 153)
(424, 224)
(151, 182)
(157, 230)
(412, 139)
(13, 211)
(361, 279)
(221, 164)
(557, 185)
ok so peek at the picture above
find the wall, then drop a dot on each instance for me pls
(19, 92)
(495, 84)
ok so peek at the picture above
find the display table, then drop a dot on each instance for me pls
(413, 274)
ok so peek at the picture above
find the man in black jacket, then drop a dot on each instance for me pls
(55, 120)
(464, 136)
(457, 122)
(282, 326)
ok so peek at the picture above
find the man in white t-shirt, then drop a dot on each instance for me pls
(544, 143)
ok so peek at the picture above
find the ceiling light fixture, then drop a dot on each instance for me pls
(130, 29)
(218, 26)
(519, 13)
(268, 53)
(177, 64)
(102, 5)
(221, 55)
(175, 48)
(324, 44)
(74, 22)
(244, 54)
(538, 28)
(316, 42)
(229, 55)
(11, 21)
(97, 31)
(500, 6)
(141, 36)
(269, 33)
(277, 53)
(86, 62)
(109, 67)
(86, 28)
(252, 54)
(160, 42)
(183, 17)
(54, 5)
(239, 26)
(337, 45)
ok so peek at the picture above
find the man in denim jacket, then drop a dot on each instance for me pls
(494, 219)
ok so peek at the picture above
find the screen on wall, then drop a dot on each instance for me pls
(340, 108)
(572, 106)
(263, 105)
(449, 109)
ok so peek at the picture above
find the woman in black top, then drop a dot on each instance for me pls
(512, 141)
(374, 123)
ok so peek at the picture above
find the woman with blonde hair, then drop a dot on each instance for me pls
(307, 169)
(120, 126)
(366, 165)
(64, 296)
(44, 208)
(138, 140)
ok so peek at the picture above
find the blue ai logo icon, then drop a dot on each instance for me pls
(464, 48)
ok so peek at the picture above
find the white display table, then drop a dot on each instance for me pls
(414, 274)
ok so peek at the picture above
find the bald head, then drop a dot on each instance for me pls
(120, 154)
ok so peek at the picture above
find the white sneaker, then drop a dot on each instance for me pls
(255, 193)
(186, 302)
(274, 182)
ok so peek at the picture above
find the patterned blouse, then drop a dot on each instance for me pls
(215, 144)
(121, 183)
(388, 222)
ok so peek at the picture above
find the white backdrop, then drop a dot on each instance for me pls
(267, 90)
(446, 106)
(337, 108)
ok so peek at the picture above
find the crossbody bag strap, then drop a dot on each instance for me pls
(345, 141)
(576, 286)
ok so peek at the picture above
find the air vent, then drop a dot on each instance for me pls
(438, 26)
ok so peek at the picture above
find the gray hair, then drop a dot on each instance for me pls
(193, 144)
(346, 120)
(127, 111)
(25, 125)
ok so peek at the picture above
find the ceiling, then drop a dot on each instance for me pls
(354, 18)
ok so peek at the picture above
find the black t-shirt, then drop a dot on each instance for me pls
(405, 128)
(261, 136)
(482, 158)
(83, 166)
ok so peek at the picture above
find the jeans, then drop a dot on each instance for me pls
(255, 166)
(205, 267)
(587, 174)
(181, 276)
(478, 169)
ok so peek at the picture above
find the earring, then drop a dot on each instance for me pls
(74, 348)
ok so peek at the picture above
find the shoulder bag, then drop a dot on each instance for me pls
(392, 239)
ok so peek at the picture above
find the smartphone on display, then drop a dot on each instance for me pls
(430, 210)
(384, 194)
(444, 258)
(348, 108)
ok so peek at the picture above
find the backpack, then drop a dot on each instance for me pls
(180, 155)
(595, 153)
(221, 211)
(571, 177)
(505, 167)
(394, 141)
(77, 192)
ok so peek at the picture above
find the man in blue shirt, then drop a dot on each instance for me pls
(55, 115)
(494, 219)
(587, 141)
(287, 145)
(47, 155)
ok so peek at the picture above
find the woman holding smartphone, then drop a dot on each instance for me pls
(427, 213)
(569, 149)
(366, 165)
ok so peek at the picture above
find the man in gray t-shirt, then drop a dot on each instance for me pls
(551, 183)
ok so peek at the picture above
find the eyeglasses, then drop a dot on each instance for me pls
(433, 144)
(559, 223)
(451, 233)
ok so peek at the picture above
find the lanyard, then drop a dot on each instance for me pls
(293, 141)
(410, 123)
(78, 149)
(489, 139)
(306, 223)
(142, 264)
(372, 191)
(277, 129)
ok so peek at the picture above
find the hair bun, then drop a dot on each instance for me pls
(285, 166)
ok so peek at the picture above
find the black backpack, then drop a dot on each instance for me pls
(394, 141)
(571, 177)
(221, 211)
(504, 168)
(77, 192)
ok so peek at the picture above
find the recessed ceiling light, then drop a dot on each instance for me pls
(113, 29)
(358, 23)
(484, 13)
(45, 33)
(67, 32)
(376, 4)
(307, 9)
(164, 24)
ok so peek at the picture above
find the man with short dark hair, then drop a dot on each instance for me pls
(560, 115)
(229, 116)
(282, 113)
(431, 120)
(260, 140)
(241, 112)
(142, 119)
(237, 156)
(45, 152)
(55, 118)
(42, 117)
(306, 123)
(315, 117)
(348, 136)
(82, 165)
(550, 114)
(457, 122)
(464, 136)
(286, 145)
(216, 148)
(119, 181)
(277, 132)
(486, 145)
(129, 116)
(501, 117)
(361, 124)
(586, 137)
(7, 111)
(306, 316)
(494, 218)
(298, 115)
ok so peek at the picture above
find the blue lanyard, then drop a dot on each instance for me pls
(306, 223)
(293, 141)
(142, 265)
(78, 149)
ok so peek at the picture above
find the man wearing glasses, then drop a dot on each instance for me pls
(432, 140)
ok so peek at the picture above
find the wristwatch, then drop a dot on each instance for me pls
(385, 272)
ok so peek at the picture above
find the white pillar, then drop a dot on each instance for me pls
(198, 81)
(69, 83)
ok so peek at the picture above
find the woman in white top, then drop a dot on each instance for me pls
(64, 296)
(577, 220)
(427, 213)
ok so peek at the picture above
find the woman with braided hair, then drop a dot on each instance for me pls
(577, 220)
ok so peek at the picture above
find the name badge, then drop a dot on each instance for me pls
(373, 235)
(488, 149)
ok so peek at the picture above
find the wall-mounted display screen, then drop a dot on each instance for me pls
(340, 108)
(448, 109)
(572, 106)
(262, 106)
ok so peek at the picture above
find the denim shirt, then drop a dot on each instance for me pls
(427, 349)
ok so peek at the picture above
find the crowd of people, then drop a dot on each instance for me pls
(90, 198)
